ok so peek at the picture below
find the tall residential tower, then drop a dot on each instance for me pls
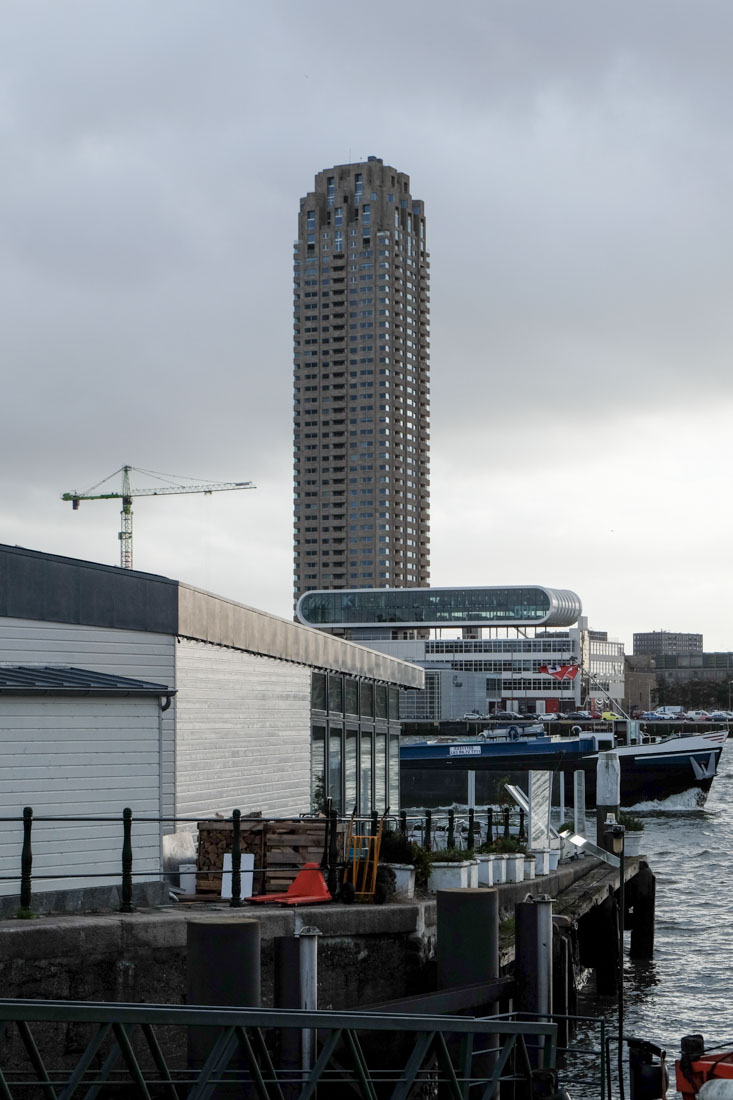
(361, 392)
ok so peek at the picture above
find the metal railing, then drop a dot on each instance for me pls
(435, 831)
(188, 1053)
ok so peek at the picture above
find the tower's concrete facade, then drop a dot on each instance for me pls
(361, 383)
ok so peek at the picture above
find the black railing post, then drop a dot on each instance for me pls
(403, 822)
(236, 898)
(332, 878)
(471, 815)
(490, 827)
(506, 822)
(428, 838)
(521, 823)
(26, 861)
(126, 906)
(451, 839)
(375, 822)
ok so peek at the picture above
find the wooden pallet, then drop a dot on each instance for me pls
(280, 849)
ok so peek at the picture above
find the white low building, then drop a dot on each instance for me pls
(239, 709)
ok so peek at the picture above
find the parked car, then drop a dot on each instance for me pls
(698, 715)
(720, 716)
(473, 716)
(506, 716)
(578, 716)
(549, 716)
(611, 716)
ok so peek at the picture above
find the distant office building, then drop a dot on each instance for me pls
(519, 649)
(654, 643)
(361, 400)
(714, 667)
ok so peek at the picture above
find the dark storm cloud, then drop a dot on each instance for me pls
(576, 168)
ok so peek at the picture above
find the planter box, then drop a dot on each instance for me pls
(485, 870)
(529, 867)
(542, 861)
(448, 876)
(514, 868)
(554, 858)
(499, 869)
(404, 874)
(632, 843)
(473, 873)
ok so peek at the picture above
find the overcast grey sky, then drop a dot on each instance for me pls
(576, 167)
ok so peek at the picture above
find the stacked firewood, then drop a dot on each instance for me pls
(280, 849)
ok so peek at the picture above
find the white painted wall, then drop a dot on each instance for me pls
(78, 756)
(243, 732)
(122, 652)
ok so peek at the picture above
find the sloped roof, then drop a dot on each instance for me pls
(66, 680)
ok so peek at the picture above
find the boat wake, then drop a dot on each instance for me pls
(692, 799)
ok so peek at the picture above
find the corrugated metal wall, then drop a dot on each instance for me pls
(78, 757)
(125, 652)
(243, 732)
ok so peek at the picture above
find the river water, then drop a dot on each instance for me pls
(688, 987)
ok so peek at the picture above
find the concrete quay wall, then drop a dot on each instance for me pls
(366, 953)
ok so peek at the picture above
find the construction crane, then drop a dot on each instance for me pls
(126, 495)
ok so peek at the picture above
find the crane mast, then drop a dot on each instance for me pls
(127, 493)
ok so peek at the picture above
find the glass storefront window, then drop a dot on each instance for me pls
(351, 696)
(394, 772)
(367, 700)
(365, 774)
(394, 704)
(318, 691)
(335, 694)
(335, 774)
(350, 770)
(380, 772)
(318, 768)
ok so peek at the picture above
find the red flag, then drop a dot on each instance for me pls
(560, 672)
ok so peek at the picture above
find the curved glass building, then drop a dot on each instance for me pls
(517, 605)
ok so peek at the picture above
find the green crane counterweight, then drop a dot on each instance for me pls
(126, 496)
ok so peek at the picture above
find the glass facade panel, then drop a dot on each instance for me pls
(394, 772)
(394, 704)
(335, 773)
(318, 768)
(438, 607)
(318, 691)
(365, 774)
(350, 770)
(380, 772)
(380, 701)
(367, 700)
(351, 696)
(335, 694)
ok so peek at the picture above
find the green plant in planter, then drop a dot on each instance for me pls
(630, 823)
(422, 863)
(396, 848)
(450, 855)
(503, 845)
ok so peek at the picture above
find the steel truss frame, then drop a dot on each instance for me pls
(141, 1051)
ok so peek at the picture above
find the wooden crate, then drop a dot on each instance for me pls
(280, 849)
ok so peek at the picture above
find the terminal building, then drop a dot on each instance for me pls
(125, 689)
(484, 649)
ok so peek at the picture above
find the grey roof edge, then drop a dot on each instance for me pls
(45, 680)
(205, 617)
